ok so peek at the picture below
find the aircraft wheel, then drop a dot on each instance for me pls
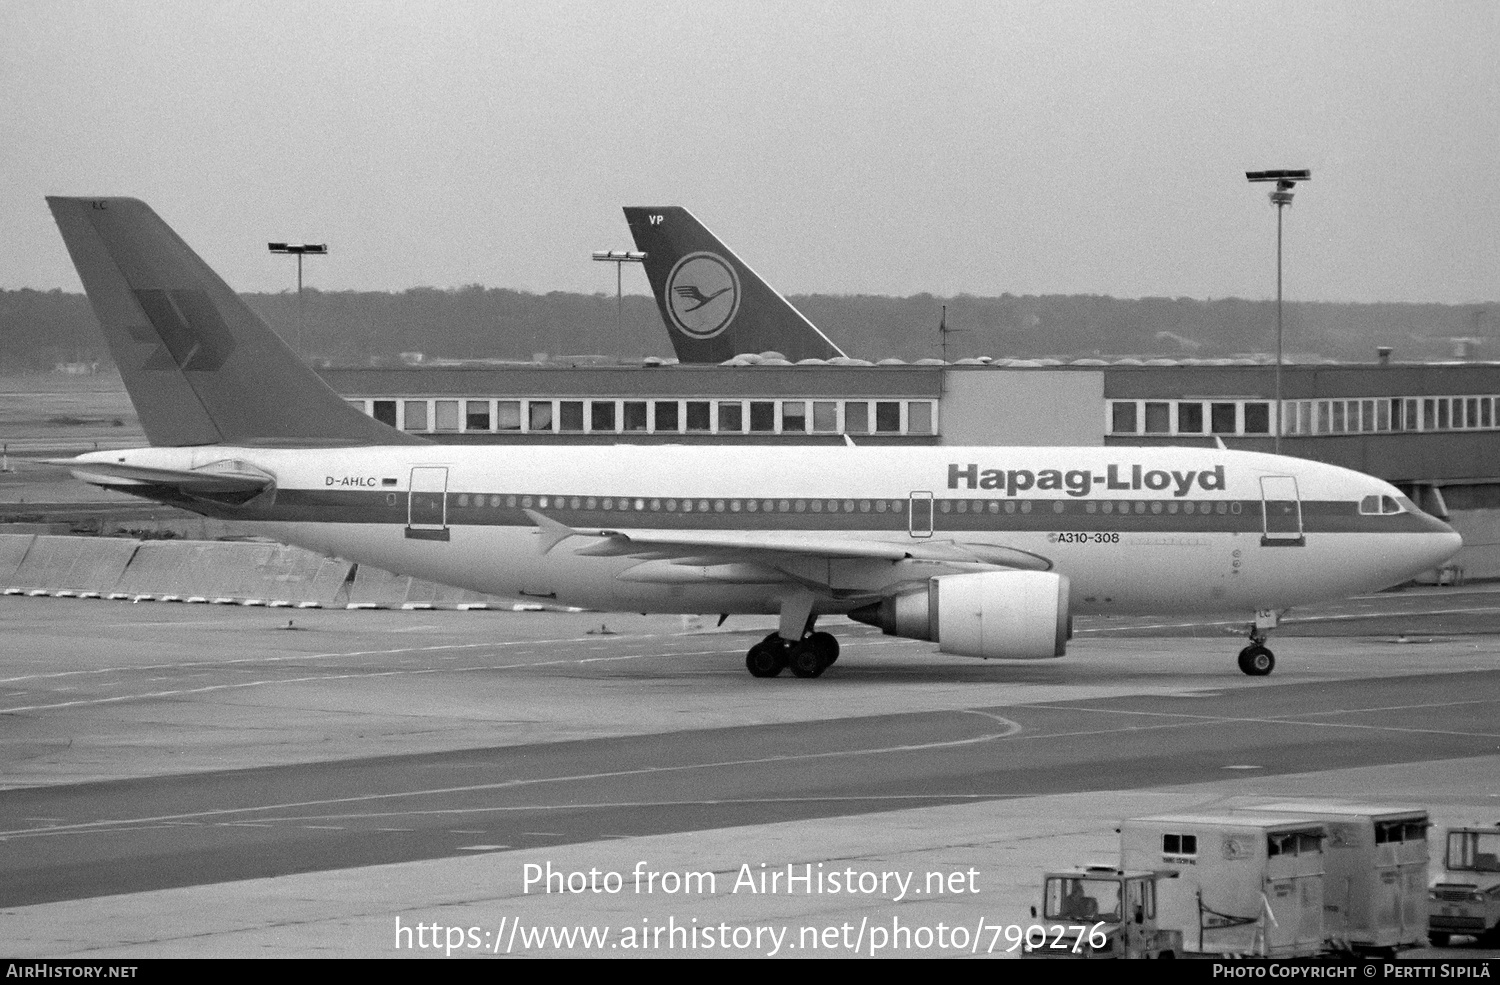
(1256, 660)
(826, 646)
(765, 659)
(806, 661)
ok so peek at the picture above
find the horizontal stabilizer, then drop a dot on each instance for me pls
(228, 481)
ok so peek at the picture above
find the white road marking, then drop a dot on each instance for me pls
(96, 826)
(287, 657)
(180, 692)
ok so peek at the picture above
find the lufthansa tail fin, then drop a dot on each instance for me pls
(200, 366)
(715, 307)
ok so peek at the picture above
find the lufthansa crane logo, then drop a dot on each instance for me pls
(703, 295)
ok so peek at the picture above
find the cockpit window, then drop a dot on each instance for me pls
(1377, 505)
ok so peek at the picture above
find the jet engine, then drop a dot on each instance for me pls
(1017, 615)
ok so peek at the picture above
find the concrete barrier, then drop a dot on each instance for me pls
(377, 588)
(292, 572)
(333, 582)
(429, 594)
(154, 570)
(241, 570)
(216, 571)
(73, 564)
(192, 571)
(98, 564)
(13, 548)
(46, 564)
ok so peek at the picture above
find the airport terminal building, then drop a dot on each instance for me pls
(1432, 429)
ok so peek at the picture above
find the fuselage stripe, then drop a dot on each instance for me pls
(823, 514)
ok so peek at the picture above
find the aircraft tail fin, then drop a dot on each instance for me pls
(200, 366)
(715, 307)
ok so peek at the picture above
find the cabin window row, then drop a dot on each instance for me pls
(643, 504)
(950, 506)
(1390, 414)
(440, 415)
(1195, 417)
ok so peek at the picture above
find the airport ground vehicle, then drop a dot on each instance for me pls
(1103, 912)
(1248, 884)
(1375, 880)
(1466, 898)
(1280, 880)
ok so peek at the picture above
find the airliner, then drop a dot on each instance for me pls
(714, 306)
(987, 551)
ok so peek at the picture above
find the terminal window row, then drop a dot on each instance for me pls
(1197, 417)
(1390, 414)
(608, 416)
(1362, 415)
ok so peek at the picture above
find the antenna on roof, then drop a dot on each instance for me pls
(943, 332)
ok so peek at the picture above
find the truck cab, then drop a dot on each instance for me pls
(1466, 898)
(1102, 912)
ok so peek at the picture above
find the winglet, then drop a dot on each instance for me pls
(551, 531)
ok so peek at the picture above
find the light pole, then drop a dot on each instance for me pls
(299, 250)
(619, 258)
(1285, 180)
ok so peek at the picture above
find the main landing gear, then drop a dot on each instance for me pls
(808, 657)
(794, 644)
(1255, 659)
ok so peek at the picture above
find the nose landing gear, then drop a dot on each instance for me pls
(1255, 659)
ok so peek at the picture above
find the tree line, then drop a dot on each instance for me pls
(39, 329)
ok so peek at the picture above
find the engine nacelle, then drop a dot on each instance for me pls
(1016, 615)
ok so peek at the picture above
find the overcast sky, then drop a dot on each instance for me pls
(842, 147)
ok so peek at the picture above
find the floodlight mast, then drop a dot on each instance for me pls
(619, 258)
(1281, 197)
(299, 250)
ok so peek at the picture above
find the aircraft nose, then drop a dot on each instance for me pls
(1442, 540)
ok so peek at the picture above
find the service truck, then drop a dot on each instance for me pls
(1465, 899)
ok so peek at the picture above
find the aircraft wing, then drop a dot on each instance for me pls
(705, 547)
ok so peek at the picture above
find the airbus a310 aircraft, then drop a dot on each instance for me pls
(987, 551)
